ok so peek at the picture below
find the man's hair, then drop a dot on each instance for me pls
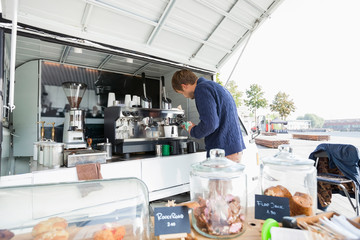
(183, 76)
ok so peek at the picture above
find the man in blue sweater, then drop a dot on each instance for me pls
(219, 123)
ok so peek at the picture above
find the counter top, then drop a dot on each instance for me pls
(164, 176)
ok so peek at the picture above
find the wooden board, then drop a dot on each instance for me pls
(269, 133)
(312, 137)
(270, 143)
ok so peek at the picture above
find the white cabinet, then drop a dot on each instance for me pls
(166, 172)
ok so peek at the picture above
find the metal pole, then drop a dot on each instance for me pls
(1, 88)
(241, 53)
(13, 55)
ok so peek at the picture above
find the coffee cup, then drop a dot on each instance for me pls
(165, 150)
(127, 100)
(111, 99)
(192, 147)
(174, 148)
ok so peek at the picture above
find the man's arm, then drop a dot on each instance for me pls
(207, 108)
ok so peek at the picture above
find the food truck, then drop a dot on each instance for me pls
(90, 81)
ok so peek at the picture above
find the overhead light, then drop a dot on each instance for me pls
(77, 50)
(129, 60)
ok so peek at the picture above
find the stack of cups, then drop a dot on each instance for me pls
(111, 99)
(127, 100)
(135, 101)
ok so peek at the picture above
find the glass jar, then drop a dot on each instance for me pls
(219, 186)
(286, 175)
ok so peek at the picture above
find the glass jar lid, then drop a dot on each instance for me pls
(286, 157)
(218, 165)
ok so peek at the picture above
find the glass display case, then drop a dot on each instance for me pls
(100, 209)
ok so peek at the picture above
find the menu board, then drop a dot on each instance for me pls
(271, 207)
(171, 220)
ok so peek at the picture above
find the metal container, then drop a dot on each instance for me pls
(158, 150)
(56, 155)
(49, 154)
(81, 156)
(219, 186)
(106, 147)
(145, 101)
(36, 151)
(165, 102)
(286, 175)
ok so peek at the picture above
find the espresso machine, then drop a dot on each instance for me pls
(133, 129)
(73, 135)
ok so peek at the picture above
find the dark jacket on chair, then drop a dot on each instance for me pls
(342, 156)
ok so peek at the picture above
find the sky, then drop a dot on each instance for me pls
(309, 49)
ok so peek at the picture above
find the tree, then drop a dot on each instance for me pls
(232, 87)
(255, 98)
(316, 121)
(282, 105)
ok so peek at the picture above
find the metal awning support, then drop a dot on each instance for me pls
(101, 65)
(65, 53)
(86, 16)
(141, 69)
(162, 21)
(226, 14)
(222, 20)
(264, 15)
(11, 105)
(257, 7)
(188, 34)
(242, 51)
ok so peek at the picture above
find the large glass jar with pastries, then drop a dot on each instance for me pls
(98, 209)
(218, 185)
(286, 175)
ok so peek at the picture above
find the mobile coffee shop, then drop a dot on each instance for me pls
(88, 81)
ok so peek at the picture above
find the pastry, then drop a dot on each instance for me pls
(6, 234)
(110, 234)
(301, 204)
(278, 191)
(105, 234)
(54, 223)
(219, 215)
(53, 235)
(119, 233)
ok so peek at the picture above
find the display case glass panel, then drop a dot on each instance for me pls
(77, 210)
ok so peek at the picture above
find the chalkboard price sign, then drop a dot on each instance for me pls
(271, 207)
(170, 220)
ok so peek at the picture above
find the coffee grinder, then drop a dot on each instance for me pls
(73, 135)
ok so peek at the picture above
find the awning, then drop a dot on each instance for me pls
(200, 33)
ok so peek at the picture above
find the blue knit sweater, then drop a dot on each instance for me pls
(219, 121)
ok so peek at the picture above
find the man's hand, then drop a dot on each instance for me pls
(188, 126)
